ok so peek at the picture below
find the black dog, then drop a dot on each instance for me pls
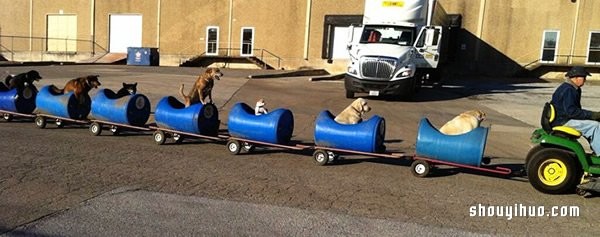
(22, 80)
(128, 89)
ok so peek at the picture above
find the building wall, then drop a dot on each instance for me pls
(497, 36)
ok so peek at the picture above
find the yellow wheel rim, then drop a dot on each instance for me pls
(552, 172)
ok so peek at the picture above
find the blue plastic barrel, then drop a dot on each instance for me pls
(62, 105)
(366, 136)
(18, 101)
(466, 149)
(275, 127)
(197, 118)
(130, 109)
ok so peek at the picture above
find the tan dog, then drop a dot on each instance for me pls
(463, 123)
(80, 86)
(353, 113)
(202, 88)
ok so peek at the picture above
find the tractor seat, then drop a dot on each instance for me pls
(548, 116)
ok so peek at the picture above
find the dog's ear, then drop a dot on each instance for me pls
(210, 70)
(135, 84)
(124, 84)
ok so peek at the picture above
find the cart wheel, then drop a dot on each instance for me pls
(233, 146)
(332, 156)
(40, 122)
(178, 138)
(7, 117)
(95, 129)
(486, 160)
(580, 192)
(159, 137)
(247, 147)
(321, 157)
(59, 123)
(115, 130)
(420, 168)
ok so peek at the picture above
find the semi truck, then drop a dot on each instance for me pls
(402, 44)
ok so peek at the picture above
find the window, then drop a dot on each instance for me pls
(212, 40)
(247, 41)
(549, 45)
(594, 48)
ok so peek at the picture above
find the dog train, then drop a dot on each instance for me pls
(459, 143)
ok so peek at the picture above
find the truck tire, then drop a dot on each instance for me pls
(349, 94)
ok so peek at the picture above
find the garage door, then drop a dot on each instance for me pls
(62, 33)
(340, 41)
(125, 31)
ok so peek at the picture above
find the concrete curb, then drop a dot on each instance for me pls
(299, 73)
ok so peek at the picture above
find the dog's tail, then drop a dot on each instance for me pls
(185, 97)
(56, 90)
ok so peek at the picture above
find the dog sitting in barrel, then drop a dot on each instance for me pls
(22, 80)
(260, 107)
(463, 123)
(354, 112)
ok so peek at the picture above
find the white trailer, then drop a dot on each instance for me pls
(402, 43)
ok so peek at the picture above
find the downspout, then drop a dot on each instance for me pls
(479, 32)
(574, 36)
(307, 28)
(158, 25)
(229, 25)
(31, 25)
(93, 25)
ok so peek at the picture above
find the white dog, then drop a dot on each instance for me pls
(463, 123)
(260, 107)
(353, 113)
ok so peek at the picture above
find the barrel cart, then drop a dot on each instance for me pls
(60, 107)
(118, 113)
(17, 102)
(364, 138)
(176, 121)
(248, 130)
(465, 150)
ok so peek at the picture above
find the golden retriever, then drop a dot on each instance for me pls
(463, 123)
(202, 89)
(353, 113)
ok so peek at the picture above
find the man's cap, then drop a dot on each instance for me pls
(577, 71)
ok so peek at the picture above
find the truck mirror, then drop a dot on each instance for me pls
(350, 35)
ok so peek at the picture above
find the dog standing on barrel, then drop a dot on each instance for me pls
(22, 80)
(463, 123)
(353, 113)
(80, 86)
(202, 90)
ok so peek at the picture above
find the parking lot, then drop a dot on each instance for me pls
(52, 177)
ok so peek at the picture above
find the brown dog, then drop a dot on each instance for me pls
(202, 88)
(80, 87)
(463, 123)
(353, 113)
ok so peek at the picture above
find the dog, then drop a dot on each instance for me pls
(22, 80)
(353, 113)
(127, 89)
(260, 107)
(202, 89)
(80, 86)
(463, 123)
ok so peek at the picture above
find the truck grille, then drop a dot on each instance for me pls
(378, 68)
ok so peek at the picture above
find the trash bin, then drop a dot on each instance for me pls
(142, 56)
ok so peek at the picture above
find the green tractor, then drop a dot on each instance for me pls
(558, 163)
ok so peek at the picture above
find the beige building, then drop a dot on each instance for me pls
(496, 37)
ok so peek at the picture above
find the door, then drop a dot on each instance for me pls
(247, 44)
(428, 47)
(212, 40)
(61, 33)
(341, 39)
(125, 31)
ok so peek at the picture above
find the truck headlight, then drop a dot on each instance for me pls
(405, 72)
(352, 70)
